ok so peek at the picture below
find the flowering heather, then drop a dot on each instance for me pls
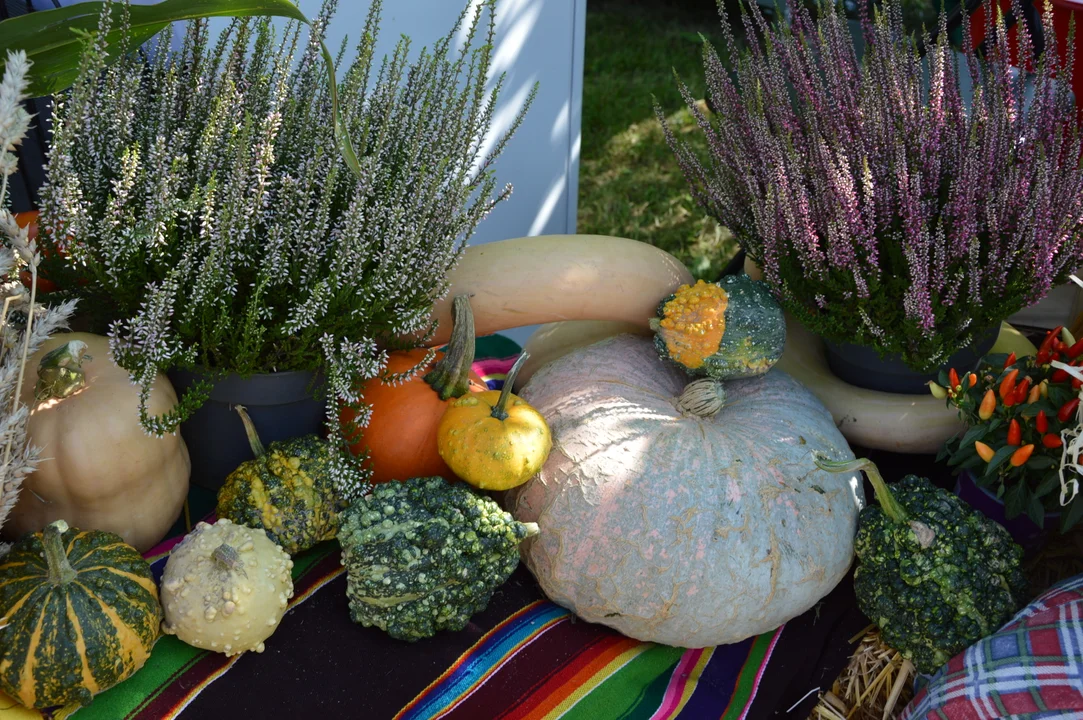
(884, 209)
(207, 216)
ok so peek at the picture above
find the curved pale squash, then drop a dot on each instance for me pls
(675, 527)
(536, 280)
(884, 421)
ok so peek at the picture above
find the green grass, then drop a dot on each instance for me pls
(629, 183)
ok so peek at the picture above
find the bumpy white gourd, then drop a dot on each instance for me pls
(225, 588)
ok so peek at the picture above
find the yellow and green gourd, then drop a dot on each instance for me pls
(79, 613)
(286, 490)
(726, 330)
(494, 440)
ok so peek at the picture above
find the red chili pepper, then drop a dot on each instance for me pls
(1021, 391)
(1056, 356)
(1043, 357)
(1007, 385)
(1059, 376)
(1076, 383)
(1068, 409)
(953, 379)
(1021, 455)
(1052, 441)
(1015, 433)
(1047, 343)
(1062, 347)
(988, 405)
(1009, 361)
(1076, 350)
(1041, 422)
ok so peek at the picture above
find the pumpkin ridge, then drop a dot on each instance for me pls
(27, 683)
(144, 582)
(89, 681)
(111, 546)
(131, 637)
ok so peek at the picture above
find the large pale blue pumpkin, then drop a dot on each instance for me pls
(676, 528)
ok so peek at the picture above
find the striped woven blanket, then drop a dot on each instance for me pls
(523, 658)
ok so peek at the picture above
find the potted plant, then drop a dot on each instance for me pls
(201, 206)
(894, 218)
(1016, 462)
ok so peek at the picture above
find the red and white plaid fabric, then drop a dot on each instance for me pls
(1030, 668)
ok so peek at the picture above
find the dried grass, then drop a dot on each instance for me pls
(876, 684)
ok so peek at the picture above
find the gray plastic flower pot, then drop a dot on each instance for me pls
(863, 367)
(282, 406)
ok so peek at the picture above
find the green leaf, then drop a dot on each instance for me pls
(53, 41)
(975, 433)
(1035, 509)
(1072, 514)
(1015, 501)
(1041, 462)
(998, 458)
(1048, 485)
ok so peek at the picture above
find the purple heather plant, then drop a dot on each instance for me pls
(884, 209)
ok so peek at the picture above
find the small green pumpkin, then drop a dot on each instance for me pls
(286, 490)
(726, 330)
(79, 613)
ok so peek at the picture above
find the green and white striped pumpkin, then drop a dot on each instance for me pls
(678, 515)
(79, 613)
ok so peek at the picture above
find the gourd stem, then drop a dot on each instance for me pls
(887, 501)
(56, 557)
(499, 410)
(60, 372)
(702, 398)
(226, 557)
(450, 378)
(250, 430)
(532, 529)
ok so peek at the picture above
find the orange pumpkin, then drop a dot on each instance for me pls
(400, 437)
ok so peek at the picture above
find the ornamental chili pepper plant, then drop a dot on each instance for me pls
(1022, 414)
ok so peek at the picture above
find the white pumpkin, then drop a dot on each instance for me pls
(680, 529)
(225, 588)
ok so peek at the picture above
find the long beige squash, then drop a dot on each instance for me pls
(885, 421)
(549, 278)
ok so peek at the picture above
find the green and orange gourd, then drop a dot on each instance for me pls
(79, 613)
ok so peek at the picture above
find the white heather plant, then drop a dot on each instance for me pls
(198, 202)
(21, 332)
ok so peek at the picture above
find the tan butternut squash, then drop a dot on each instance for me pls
(530, 281)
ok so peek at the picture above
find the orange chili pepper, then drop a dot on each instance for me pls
(1021, 455)
(1052, 441)
(1015, 433)
(1035, 394)
(973, 379)
(984, 451)
(988, 405)
(953, 379)
(1007, 385)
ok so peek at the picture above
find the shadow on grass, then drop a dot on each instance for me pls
(630, 185)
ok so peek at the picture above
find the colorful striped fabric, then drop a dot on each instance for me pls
(526, 659)
(608, 675)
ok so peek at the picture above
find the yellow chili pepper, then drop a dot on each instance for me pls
(988, 405)
(984, 451)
